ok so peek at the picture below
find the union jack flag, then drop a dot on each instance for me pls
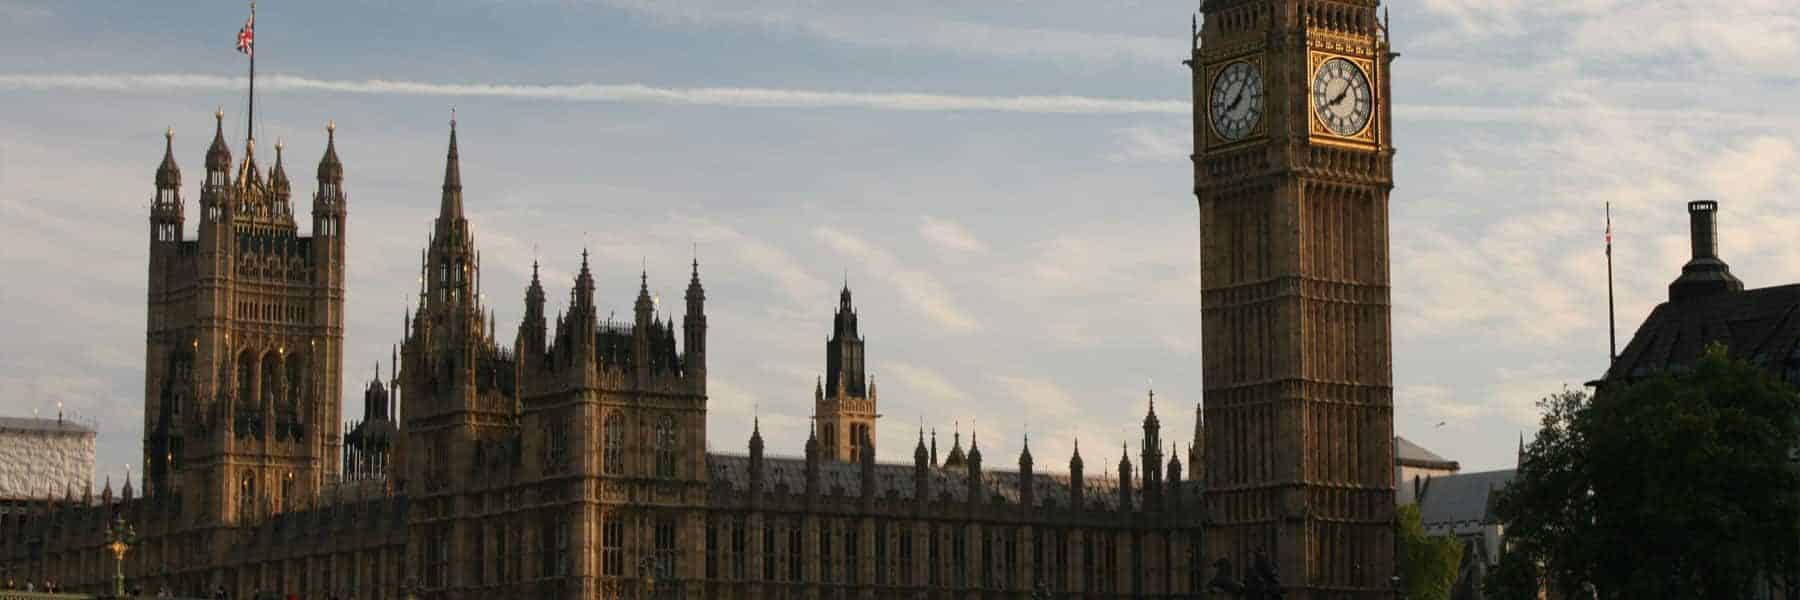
(246, 40)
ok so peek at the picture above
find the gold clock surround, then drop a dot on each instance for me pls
(1320, 131)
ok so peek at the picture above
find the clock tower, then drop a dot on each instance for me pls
(1293, 157)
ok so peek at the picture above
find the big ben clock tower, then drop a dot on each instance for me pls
(1292, 167)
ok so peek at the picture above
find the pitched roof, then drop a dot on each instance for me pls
(1760, 325)
(1461, 499)
(896, 481)
(1409, 454)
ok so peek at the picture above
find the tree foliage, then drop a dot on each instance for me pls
(1428, 564)
(1678, 486)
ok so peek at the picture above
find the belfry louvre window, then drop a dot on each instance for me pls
(437, 566)
(562, 546)
(556, 448)
(665, 446)
(665, 548)
(612, 546)
(613, 455)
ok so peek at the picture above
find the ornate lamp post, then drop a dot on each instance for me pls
(120, 537)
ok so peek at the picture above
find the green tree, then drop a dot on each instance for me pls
(1678, 486)
(1427, 563)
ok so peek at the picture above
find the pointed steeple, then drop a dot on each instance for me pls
(934, 452)
(450, 208)
(645, 306)
(1027, 478)
(278, 178)
(584, 283)
(1125, 477)
(330, 169)
(1077, 480)
(956, 458)
(695, 292)
(168, 175)
(218, 156)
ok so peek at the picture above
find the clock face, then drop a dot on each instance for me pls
(1236, 104)
(1341, 97)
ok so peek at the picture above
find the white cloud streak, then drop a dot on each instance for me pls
(1139, 143)
(950, 235)
(600, 92)
(920, 289)
(899, 26)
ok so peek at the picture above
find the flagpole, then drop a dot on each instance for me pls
(250, 124)
(1612, 328)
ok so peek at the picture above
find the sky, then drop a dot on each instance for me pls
(1004, 185)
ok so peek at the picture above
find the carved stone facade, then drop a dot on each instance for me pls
(569, 461)
(1292, 168)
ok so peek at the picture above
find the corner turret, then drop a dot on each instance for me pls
(977, 491)
(165, 208)
(1027, 477)
(1125, 478)
(1077, 480)
(693, 328)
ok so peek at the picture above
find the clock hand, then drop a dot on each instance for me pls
(1235, 100)
(1340, 97)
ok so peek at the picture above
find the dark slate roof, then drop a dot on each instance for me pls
(11, 424)
(1461, 499)
(896, 481)
(1409, 454)
(1760, 325)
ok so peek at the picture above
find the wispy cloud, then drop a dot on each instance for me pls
(902, 27)
(603, 92)
(950, 235)
(923, 381)
(918, 288)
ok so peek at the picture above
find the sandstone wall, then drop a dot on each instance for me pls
(35, 463)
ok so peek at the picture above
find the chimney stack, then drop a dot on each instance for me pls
(1704, 274)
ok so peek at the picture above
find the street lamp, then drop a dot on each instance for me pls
(120, 538)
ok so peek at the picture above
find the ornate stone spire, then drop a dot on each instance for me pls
(168, 175)
(451, 208)
(278, 178)
(330, 169)
(218, 156)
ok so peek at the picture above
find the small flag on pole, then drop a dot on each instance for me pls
(1609, 229)
(246, 39)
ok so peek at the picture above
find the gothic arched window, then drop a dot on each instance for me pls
(665, 446)
(613, 454)
(246, 496)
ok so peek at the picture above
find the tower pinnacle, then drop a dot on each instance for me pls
(451, 209)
